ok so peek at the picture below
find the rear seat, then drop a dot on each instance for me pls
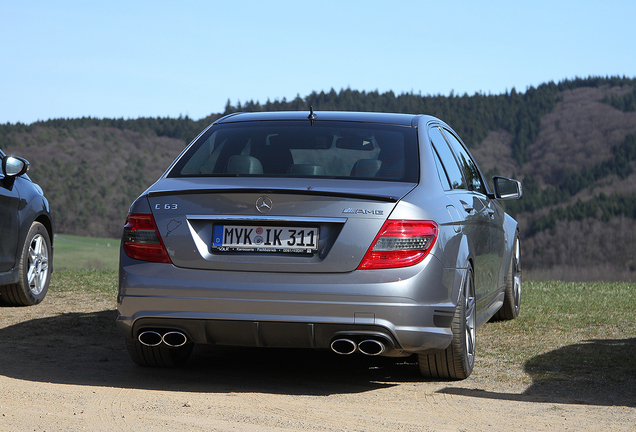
(242, 164)
(306, 169)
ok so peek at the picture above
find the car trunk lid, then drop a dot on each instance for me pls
(266, 225)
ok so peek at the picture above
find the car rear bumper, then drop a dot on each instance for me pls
(409, 309)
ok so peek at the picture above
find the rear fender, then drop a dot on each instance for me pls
(140, 205)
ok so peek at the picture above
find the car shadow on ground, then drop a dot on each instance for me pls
(87, 349)
(595, 372)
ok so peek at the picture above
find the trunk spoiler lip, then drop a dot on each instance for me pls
(325, 193)
(243, 218)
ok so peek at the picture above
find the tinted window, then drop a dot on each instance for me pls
(449, 163)
(298, 149)
(443, 177)
(471, 172)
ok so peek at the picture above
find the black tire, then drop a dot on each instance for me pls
(35, 269)
(512, 294)
(457, 361)
(158, 356)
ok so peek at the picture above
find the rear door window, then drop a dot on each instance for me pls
(468, 165)
(441, 172)
(450, 168)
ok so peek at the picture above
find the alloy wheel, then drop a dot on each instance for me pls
(38, 264)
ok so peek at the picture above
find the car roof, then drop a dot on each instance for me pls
(350, 116)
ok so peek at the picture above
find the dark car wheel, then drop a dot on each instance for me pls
(34, 270)
(456, 362)
(512, 294)
(159, 355)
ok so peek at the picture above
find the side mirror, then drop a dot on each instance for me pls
(14, 166)
(507, 189)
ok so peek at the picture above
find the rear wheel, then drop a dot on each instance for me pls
(35, 274)
(512, 294)
(158, 356)
(457, 361)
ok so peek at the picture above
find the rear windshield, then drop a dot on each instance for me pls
(298, 149)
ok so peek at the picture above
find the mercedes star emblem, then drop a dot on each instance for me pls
(264, 204)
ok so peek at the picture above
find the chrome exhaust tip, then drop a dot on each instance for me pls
(174, 339)
(344, 346)
(150, 338)
(371, 347)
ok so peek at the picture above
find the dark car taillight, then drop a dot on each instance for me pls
(141, 239)
(400, 244)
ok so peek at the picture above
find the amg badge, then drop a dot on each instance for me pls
(363, 211)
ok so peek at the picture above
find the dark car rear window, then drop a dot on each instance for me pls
(298, 149)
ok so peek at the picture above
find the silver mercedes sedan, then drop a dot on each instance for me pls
(360, 233)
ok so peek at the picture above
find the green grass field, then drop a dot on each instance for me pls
(88, 253)
(568, 331)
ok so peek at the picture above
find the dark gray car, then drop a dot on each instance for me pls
(356, 232)
(26, 235)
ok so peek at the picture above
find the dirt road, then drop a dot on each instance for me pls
(63, 367)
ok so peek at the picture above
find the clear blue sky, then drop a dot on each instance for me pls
(69, 59)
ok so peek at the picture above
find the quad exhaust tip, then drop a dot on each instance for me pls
(343, 346)
(173, 339)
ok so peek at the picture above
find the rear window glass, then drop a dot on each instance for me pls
(298, 149)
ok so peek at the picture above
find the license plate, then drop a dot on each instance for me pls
(273, 239)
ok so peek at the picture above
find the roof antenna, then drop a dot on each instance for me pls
(312, 116)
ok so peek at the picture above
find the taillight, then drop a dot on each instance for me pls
(400, 244)
(141, 239)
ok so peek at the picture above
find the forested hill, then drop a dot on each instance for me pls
(572, 143)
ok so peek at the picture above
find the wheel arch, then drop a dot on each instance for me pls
(511, 231)
(45, 220)
(465, 259)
